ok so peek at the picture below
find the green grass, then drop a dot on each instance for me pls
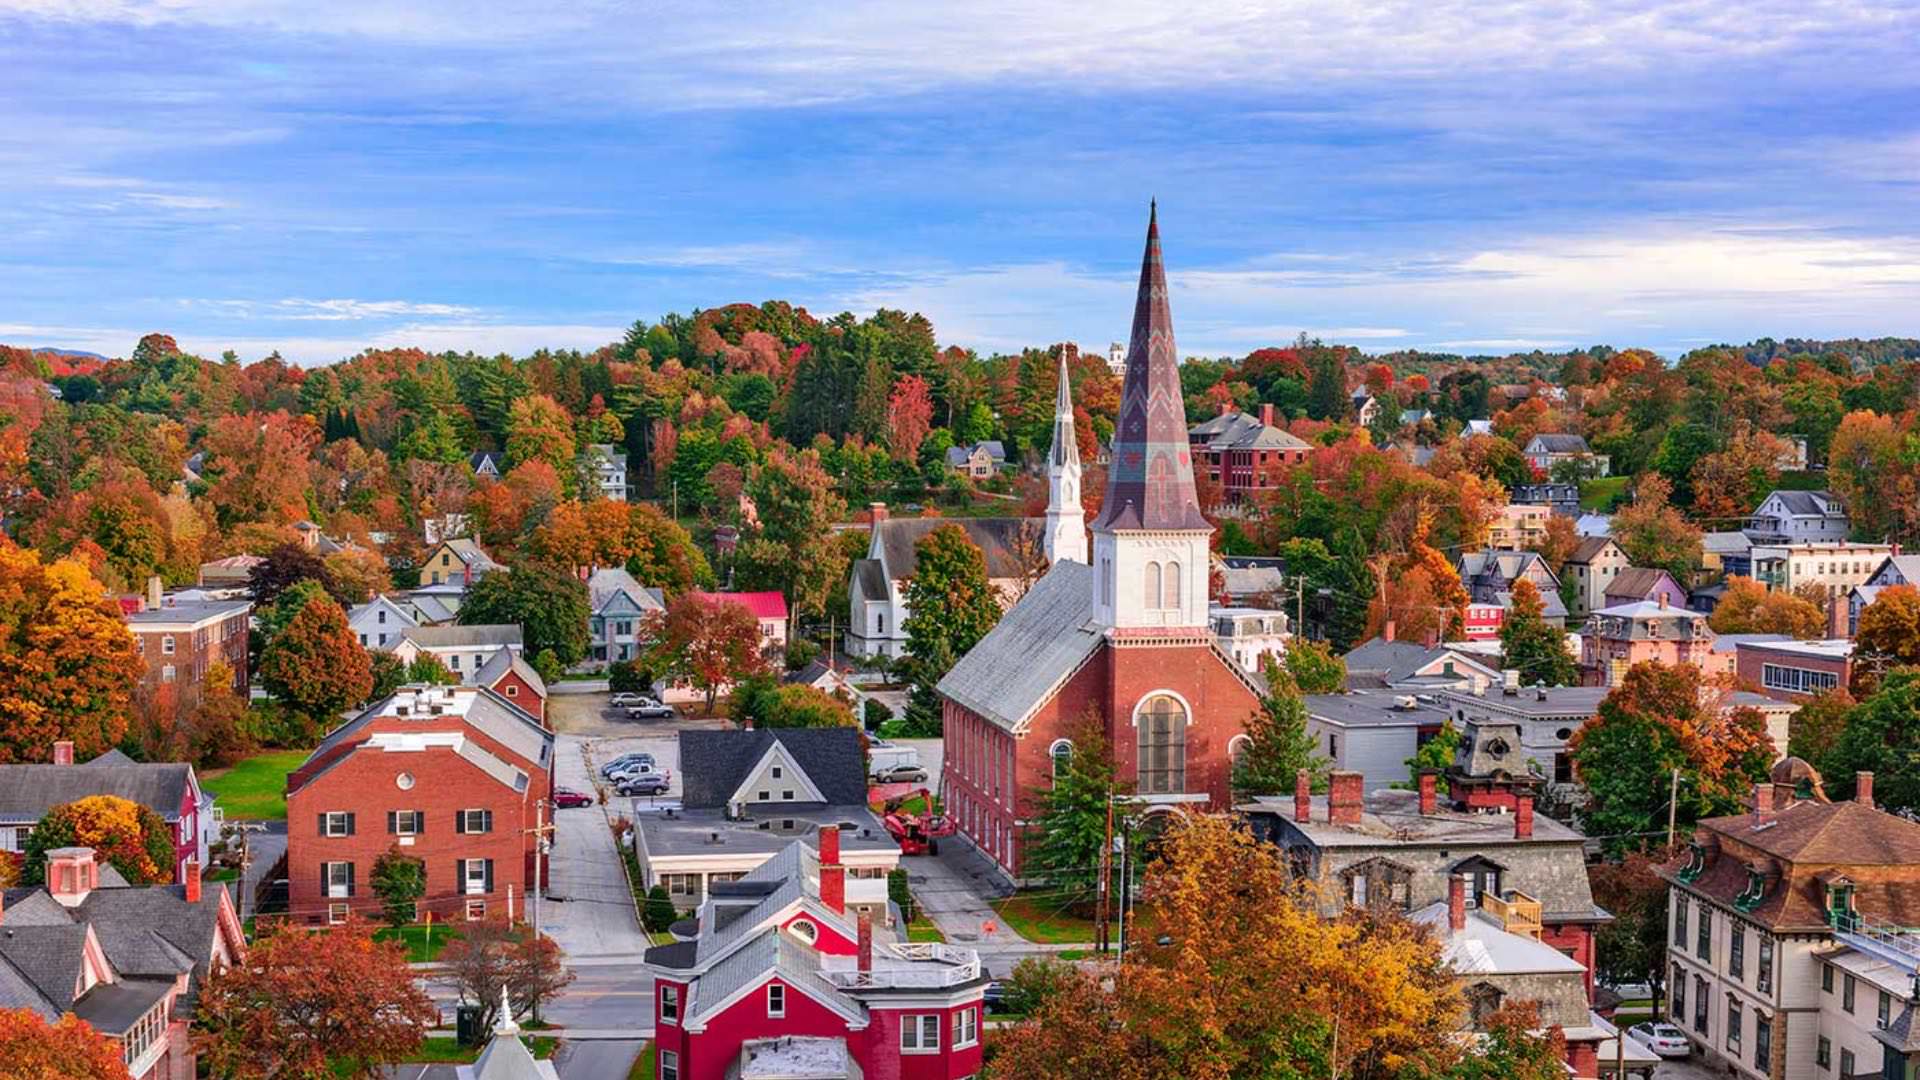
(416, 939)
(1073, 954)
(643, 1066)
(225, 873)
(1599, 493)
(661, 937)
(442, 1049)
(1040, 918)
(922, 929)
(255, 789)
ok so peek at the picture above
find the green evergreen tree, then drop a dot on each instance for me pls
(658, 912)
(1071, 829)
(1326, 384)
(951, 606)
(399, 880)
(547, 603)
(1279, 744)
(1350, 591)
(1533, 647)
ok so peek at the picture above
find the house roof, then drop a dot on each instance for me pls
(1590, 548)
(1807, 503)
(27, 792)
(1244, 431)
(1726, 543)
(1638, 582)
(764, 605)
(611, 582)
(871, 577)
(1812, 841)
(188, 614)
(1557, 443)
(1031, 651)
(493, 715)
(1593, 525)
(504, 661)
(1484, 947)
(713, 764)
(997, 538)
(1907, 566)
(468, 551)
(1374, 708)
(1510, 564)
(461, 636)
(481, 458)
(1400, 660)
(1247, 581)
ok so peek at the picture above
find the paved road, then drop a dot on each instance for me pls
(954, 888)
(588, 909)
(597, 1060)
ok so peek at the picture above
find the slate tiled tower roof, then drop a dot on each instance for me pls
(1150, 482)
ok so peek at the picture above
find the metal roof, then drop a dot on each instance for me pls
(1031, 651)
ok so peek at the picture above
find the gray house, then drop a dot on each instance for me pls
(1799, 517)
(618, 604)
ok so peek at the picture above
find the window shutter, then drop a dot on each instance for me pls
(321, 824)
(349, 823)
(486, 821)
(420, 822)
(460, 821)
(489, 875)
(350, 879)
(393, 825)
(324, 881)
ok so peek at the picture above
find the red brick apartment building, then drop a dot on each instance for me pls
(1243, 453)
(180, 641)
(457, 776)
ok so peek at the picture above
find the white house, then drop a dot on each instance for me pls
(618, 604)
(463, 649)
(1799, 517)
(379, 622)
(1547, 450)
(1250, 635)
(610, 470)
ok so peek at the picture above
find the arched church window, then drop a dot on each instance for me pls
(1173, 585)
(1153, 585)
(1062, 754)
(1162, 723)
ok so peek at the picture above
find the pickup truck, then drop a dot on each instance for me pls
(650, 711)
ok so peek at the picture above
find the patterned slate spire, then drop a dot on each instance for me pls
(1066, 446)
(1150, 481)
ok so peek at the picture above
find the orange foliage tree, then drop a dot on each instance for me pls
(1889, 630)
(126, 834)
(68, 664)
(1748, 608)
(32, 1049)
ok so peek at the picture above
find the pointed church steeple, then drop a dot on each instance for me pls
(1066, 529)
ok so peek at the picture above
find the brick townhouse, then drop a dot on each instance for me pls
(179, 641)
(456, 776)
(170, 789)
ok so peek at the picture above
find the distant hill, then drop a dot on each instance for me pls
(76, 353)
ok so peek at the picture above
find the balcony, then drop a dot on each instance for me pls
(1518, 913)
(1897, 945)
(918, 965)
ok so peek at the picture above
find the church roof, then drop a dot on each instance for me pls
(1041, 641)
(1150, 479)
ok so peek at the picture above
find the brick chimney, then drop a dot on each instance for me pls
(833, 876)
(154, 597)
(1863, 788)
(192, 881)
(866, 940)
(1303, 796)
(1457, 902)
(1836, 619)
(1523, 817)
(1266, 413)
(1386, 632)
(1429, 792)
(878, 511)
(63, 752)
(1663, 600)
(1762, 803)
(1344, 797)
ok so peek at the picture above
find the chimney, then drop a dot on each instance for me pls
(1457, 902)
(71, 874)
(1386, 632)
(1836, 620)
(1523, 817)
(1429, 792)
(1303, 796)
(1863, 788)
(1344, 797)
(1266, 413)
(1762, 804)
(153, 592)
(878, 511)
(1228, 407)
(63, 752)
(1663, 600)
(833, 876)
(866, 941)
(192, 881)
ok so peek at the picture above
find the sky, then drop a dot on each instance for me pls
(503, 175)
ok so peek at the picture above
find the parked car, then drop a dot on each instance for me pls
(643, 784)
(900, 774)
(623, 761)
(1663, 1039)
(567, 798)
(631, 771)
(994, 997)
(654, 711)
(630, 697)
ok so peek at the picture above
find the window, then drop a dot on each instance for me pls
(1762, 1041)
(1333, 746)
(476, 910)
(473, 821)
(1483, 878)
(338, 877)
(167, 673)
(336, 823)
(405, 822)
(669, 1004)
(669, 1065)
(1062, 754)
(1885, 1009)
(1798, 680)
(1483, 1000)
(1679, 917)
(966, 1028)
(1153, 585)
(1162, 722)
(920, 1033)
(1823, 1053)
(1378, 883)
(453, 662)
(363, 641)
(1173, 586)
(777, 772)
(776, 1001)
(337, 914)
(166, 645)
(1700, 1004)
(1679, 982)
(1703, 936)
(1766, 965)
(1846, 1064)
(478, 876)
(1826, 977)
(1733, 1024)
(1737, 951)
(1237, 749)
(687, 885)
(786, 795)
(1846, 993)
(804, 930)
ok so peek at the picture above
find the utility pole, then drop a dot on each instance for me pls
(1105, 886)
(1126, 888)
(540, 832)
(1673, 806)
(1300, 605)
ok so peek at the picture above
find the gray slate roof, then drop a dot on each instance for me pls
(495, 716)
(1398, 660)
(609, 582)
(1808, 503)
(27, 792)
(1557, 444)
(1244, 431)
(482, 635)
(1031, 651)
(993, 536)
(713, 764)
(871, 577)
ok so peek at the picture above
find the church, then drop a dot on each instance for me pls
(1117, 634)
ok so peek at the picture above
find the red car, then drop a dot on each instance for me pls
(566, 798)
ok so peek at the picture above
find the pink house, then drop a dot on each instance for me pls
(778, 980)
(1618, 637)
(768, 607)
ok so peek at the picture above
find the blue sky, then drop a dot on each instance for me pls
(500, 175)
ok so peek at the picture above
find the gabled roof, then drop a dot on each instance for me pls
(1041, 641)
(1401, 660)
(1807, 503)
(1511, 565)
(469, 552)
(27, 792)
(713, 764)
(1638, 582)
(1484, 947)
(763, 605)
(481, 459)
(894, 540)
(1557, 444)
(504, 661)
(1726, 543)
(1591, 548)
(871, 577)
(1244, 431)
(462, 636)
(609, 583)
(382, 601)
(491, 714)
(1906, 566)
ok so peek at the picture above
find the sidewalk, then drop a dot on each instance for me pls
(954, 889)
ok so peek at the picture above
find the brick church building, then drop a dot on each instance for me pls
(1123, 639)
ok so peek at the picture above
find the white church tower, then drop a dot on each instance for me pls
(1066, 536)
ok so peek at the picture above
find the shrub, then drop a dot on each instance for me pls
(800, 653)
(658, 913)
(630, 677)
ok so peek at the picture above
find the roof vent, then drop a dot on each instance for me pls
(713, 838)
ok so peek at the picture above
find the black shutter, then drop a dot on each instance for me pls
(420, 822)
(322, 824)
(349, 880)
(325, 885)
(460, 822)
(489, 875)
(486, 825)
(349, 823)
(393, 825)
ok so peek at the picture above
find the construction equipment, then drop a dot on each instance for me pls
(917, 834)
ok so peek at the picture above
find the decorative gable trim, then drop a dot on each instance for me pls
(777, 749)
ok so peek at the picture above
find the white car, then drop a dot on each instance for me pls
(629, 772)
(628, 697)
(1663, 1039)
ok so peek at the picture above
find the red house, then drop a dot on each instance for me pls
(1125, 641)
(1245, 454)
(169, 789)
(777, 980)
(457, 776)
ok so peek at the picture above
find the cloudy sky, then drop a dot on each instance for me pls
(497, 175)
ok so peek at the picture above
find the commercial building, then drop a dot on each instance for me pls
(1795, 669)
(1831, 568)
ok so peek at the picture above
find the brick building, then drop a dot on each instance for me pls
(1124, 641)
(1245, 454)
(179, 641)
(169, 789)
(1795, 669)
(780, 981)
(457, 776)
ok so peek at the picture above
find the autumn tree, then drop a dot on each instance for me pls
(256, 466)
(548, 603)
(1889, 632)
(1278, 743)
(1313, 667)
(1729, 483)
(129, 836)
(708, 640)
(68, 1049)
(357, 575)
(1532, 646)
(302, 1005)
(284, 567)
(1633, 947)
(316, 666)
(950, 606)
(1653, 534)
(539, 429)
(1748, 607)
(497, 954)
(216, 728)
(909, 417)
(1657, 720)
(68, 663)
(793, 549)
(1874, 467)
(1882, 736)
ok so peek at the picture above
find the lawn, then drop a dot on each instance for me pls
(416, 938)
(1040, 917)
(1599, 493)
(922, 929)
(256, 788)
(442, 1049)
(643, 1067)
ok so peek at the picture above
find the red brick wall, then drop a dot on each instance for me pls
(1577, 937)
(521, 692)
(1752, 660)
(444, 782)
(193, 652)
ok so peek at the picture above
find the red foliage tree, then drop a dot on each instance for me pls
(909, 416)
(708, 640)
(32, 1049)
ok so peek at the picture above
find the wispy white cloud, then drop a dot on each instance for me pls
(484, 338)
(302, 310)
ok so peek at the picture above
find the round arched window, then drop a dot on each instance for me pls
(1062, 754)
(404, 781)
(1162, 723)
(804, 930)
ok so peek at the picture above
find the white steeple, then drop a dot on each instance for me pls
(1066, 536)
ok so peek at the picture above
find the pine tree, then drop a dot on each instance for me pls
(1537, 650)
(1072, 826)
(1279, 744)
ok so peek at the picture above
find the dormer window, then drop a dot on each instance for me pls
(1754, 892)
(1483, 878)
(1696, 862)
(1840, 912)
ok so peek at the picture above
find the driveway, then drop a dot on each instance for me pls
(588, 908)
(955, 888)
(595, 1060)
